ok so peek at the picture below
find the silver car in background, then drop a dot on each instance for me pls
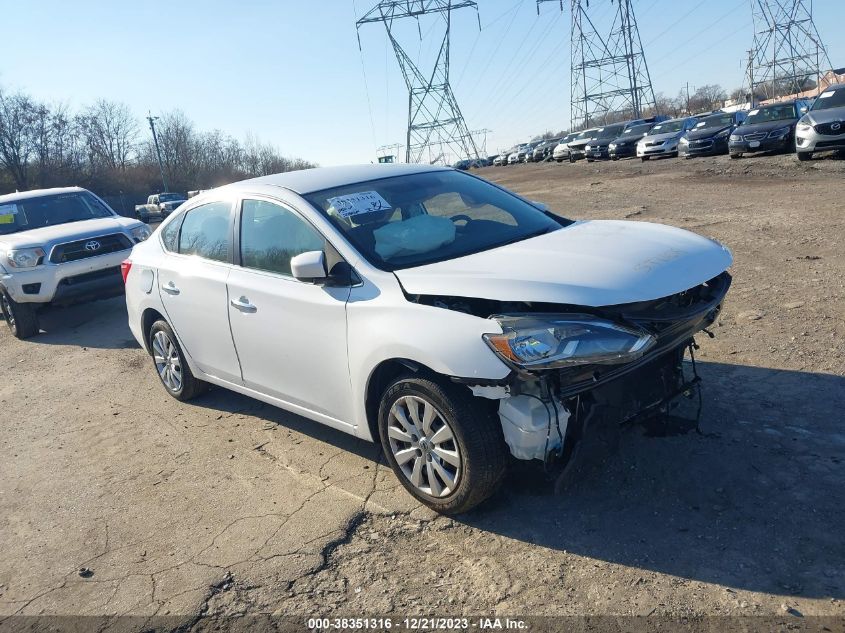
(823, 127)
(663, 139)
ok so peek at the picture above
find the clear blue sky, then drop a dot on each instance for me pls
(291, 72)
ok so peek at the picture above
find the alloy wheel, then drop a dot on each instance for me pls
(167, 361)
(424, 446)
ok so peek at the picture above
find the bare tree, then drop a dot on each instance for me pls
(18, 131)
(111, 133)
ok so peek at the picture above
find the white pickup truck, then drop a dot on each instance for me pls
(159, 206)
(59, 246)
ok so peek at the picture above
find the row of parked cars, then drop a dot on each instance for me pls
(803, 126)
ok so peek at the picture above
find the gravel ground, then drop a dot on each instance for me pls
(227, 506)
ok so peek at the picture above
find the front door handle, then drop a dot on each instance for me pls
(243, 305)
(171, 289)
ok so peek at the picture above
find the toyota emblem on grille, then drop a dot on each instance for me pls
(835, 126)
(92, 245)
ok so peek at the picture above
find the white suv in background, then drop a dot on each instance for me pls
(59, 246)
(427, 307)
(823, 127)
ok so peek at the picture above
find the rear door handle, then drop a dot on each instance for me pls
(171, 289)
(243, 305)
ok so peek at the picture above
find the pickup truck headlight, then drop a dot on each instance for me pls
(779, 133)
(550, 341)
(25, 257)
(140, 233)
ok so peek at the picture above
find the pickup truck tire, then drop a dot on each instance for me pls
(445, 447)
(21, 318)
(169, 361)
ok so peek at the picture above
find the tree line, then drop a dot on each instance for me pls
(106, 148)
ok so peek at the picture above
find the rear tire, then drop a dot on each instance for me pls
(22, 318)
(169, 361)
(451, 448)
(802, 156)
(736, 156)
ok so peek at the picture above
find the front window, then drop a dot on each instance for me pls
(49, 210)
(272, 235)
(779, 112)
(641, 129)
(609, 132)
(717, 122)
(830, 99)
(408, 221)
(586, 134)
(171, 197)
(669, 127)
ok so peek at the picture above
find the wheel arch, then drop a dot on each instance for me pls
(148, 317)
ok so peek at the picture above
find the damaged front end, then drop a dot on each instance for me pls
(579, 373)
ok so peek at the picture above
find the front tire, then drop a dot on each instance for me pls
(170, 364)
(445, 447)
(21, 318)
(802, 156)
(736, 156)
(645, 158)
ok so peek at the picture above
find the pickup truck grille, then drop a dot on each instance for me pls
(90, 247)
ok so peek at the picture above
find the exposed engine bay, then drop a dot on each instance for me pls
(546, 414)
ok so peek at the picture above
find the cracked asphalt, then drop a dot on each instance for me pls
(227, 506)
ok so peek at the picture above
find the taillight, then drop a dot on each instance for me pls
(125, 267)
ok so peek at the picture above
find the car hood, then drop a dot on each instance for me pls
(766, 126)
(814, 117)
(695, 135)
(59, 233)
(591, 263)
(651, 138)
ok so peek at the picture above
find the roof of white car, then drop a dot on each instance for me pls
(37, 193)
(306, 181)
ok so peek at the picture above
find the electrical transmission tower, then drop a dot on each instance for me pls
(787, 55)
(609, 73)
(436, 126)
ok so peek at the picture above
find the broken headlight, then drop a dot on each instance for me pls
(550, 341)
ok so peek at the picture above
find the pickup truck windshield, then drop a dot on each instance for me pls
(407, 221)
(49, 210)
(170, 197)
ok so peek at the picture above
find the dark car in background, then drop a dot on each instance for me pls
(544, 150)
(710, 135)
(769, 128)
(597, 149)
(625, 145)
(463, 165)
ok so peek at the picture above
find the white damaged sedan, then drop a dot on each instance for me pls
(447, 317)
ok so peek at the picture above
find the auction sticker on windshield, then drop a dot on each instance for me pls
(8, 213)
(358, 203)
(827, 95)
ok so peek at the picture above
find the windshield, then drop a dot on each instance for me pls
(830, 99)
(642, 128)
(585, 134)
(569, 137)
(669, 127)
(717, 121)
(32, 213)
(418, 219)
(170, 197)
(771, 113)
(611, 131)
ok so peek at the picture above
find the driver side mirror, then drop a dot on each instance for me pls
(803, 109)
(309, 266)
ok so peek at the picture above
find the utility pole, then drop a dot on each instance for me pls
(787, 52)
(152, 119)
(751, 76)
(608, 68)
(436, 126)
(688, 110)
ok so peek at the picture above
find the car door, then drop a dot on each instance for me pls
(290, 335)
(192, 284)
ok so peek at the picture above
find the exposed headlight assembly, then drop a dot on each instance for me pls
(140, 233)
(25, 257)
(723, 134)
(735, 138)
(684, 141)
(551, 341)
(803, 127)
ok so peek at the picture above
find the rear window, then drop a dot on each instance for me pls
(207, 232)
(50, 210)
